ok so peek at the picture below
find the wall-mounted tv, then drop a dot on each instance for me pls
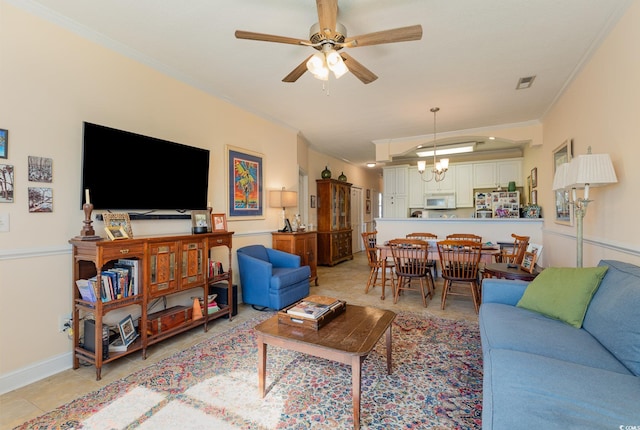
(130, 172)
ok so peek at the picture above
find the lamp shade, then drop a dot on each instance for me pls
(591, 169)
(283, 199)
(560, 180)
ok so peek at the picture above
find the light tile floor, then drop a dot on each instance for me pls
(346, 280)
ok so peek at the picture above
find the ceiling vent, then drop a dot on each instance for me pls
(524, 83)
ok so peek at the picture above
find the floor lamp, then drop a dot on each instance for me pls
(283, 199)
(583, 172)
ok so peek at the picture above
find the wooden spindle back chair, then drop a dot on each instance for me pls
(411, 258)
(459, 260)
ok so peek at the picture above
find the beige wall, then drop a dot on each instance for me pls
(601, 109)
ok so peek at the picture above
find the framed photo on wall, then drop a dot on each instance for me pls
(312, 201)
(4, 143)
(245, 190)
(6, 183)
(563, 209)
(534, 177)
(367, 204)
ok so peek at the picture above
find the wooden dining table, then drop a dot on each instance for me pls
(487, 256)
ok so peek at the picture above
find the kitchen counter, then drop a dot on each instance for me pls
(491, 229)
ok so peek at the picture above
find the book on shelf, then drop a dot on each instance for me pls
(86, 290)
(314, 307)
(134, 265)
(117, 346)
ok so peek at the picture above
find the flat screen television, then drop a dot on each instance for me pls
(130, 172)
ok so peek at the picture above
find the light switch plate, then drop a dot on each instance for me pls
(4, 222)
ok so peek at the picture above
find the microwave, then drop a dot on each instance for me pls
(440, 201)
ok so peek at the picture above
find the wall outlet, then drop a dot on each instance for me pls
(64, 322)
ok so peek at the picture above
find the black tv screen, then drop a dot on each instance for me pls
(128, 171)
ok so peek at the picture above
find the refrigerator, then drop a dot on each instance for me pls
(497, 204)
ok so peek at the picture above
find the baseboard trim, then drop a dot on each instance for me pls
(35, 372)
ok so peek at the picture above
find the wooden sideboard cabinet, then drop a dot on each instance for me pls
(304, 244)
(334, 221)
(166, 265)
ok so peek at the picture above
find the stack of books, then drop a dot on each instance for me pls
(312, 312)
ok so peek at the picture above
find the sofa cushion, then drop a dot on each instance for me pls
(563, 293)
(509, 327)
(530, 391)
(613, 317)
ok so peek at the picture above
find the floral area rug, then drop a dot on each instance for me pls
(436, 384)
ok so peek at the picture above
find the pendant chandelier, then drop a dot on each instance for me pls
(439, 168)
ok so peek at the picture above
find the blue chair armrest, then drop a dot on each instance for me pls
(503, 291)
(283, 259)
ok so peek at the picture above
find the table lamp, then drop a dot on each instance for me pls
(283, 199)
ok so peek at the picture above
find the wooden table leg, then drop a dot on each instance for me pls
(384, 277)
(356, 382)
(262, 365)
(389, 355)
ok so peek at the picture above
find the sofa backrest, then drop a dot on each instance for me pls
(256, 251)
(613, 316)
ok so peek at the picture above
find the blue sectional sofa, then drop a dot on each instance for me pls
(542, 373)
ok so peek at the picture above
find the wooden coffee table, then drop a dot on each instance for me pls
(347, 339)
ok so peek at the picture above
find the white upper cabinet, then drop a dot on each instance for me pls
(509, 170)
(416, 188)
(447, 185)
(395, 198)
(464, 185)
(491, 174)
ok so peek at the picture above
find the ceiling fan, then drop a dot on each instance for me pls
(329, 36)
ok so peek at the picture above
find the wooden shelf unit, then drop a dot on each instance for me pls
(334, 221)
(168, 265)
(304, 244)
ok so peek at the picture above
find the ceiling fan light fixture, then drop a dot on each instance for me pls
(336, 63)
(316, 65)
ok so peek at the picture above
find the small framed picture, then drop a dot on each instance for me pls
(116, 232)
(529, 262)
(368, 206)
(368, 193)
(534, 177)
(534, 197)
(312, 201)
(40, 169)
(40, 199)
(219, 222)
(127, 331)
(117, 219)
(4, 142)
(6, 183)
(200, 221)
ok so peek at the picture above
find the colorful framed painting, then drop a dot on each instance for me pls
(4, 143)
(245, 190)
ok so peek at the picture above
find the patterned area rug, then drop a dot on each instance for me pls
(436, 384)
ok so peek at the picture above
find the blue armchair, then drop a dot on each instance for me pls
(271, 278)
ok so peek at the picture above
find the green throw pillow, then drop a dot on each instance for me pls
(563, 293)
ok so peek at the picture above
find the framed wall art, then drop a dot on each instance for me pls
(312, 201)
(245, 190)
(368, 206)
(563, 209)
(116, 219)
(4, 143)
(534, 177)
(40, 169)
(6, 183)
(219, 222)
(40, 199)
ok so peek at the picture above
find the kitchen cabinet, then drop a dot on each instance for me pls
(447, 185)
(509, 170)
(395, 192)
(464, 185)
(416, 188)
(491, 174)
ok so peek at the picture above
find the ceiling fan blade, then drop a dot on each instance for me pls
(240, 34)
(402, 34)
(327, 16)
(358, 70)
(297, 72)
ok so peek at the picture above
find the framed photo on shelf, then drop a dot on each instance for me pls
(201, 221)
(529, 262)
(245, 188)
(219, 222)
(534, 177)
(127, 331)
(116, 232)
(117, 219)
(4, 143)
(564, 210)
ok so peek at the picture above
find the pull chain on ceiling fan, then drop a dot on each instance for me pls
(328, 36)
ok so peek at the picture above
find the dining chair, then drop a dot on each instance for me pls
(515, 254)
(465, 236)
(459, 260)
(411, 257)
(376, 261)
(426, 237)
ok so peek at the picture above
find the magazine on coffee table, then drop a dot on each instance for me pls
(314, 307)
